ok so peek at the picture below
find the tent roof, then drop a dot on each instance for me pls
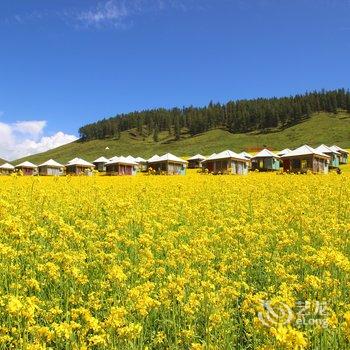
(154, 158)
(140, 160)
(304, 150)
(325, 149)
(226, 155)
(166, 157)
(197, 156)
(121, 160)
(212, 156)
(265, 153)
(101, 160)
(284, 152)
(131, 158)
(339, 149)
(113, 158)
(7, 166)
(26, 165)
(171, 157)
(245, 155)
(52, 163)
(80, 162)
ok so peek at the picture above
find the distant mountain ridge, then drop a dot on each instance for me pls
(327, 128)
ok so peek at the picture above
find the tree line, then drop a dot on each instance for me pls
(239, 116)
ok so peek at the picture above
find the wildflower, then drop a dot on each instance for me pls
(14, 306)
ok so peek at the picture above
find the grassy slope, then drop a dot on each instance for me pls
(321, 128)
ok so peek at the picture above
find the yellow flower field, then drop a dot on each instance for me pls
(193, 262)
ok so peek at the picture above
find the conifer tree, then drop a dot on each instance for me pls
(177, 128)
(348, 102)
(155, 133)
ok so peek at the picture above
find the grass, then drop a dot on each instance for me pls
(320, 128)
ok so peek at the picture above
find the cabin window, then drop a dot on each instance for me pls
(303, 164)
(261, 164)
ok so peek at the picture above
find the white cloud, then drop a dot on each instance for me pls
(33, 128)
(25, 138)
(105, 13)
(120, 13)
(6, 137)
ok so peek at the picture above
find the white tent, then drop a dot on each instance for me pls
(197, 157)
(153, 159)
(265, 153)
(51, 164)
(304, 159)
(305, 150)
(338, 149)
(325, 149)
(245, 155)
(80, 162)
(171, 158)
(27, 165)
(226, 162)
(121, 166)
(7, 166)
(284, 152)
(131, 158)
(226, 155)
(212, 156)
(344, 154)
(168, 163)
(121, 160)
(100, 163)
(140, 160)
(51, 168)
(112, 159)
(101, 160)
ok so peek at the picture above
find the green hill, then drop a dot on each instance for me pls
(325, 128)
(2, 161)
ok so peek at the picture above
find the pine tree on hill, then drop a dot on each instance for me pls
(156, 134)
(116, 133)
(333, 103)
(348, 102)
(139, 126)
(177, 128)
(308, 109)
(235, 116)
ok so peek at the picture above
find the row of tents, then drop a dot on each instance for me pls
(299, 160)
(168, 163)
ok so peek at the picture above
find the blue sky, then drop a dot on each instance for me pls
(65, 63)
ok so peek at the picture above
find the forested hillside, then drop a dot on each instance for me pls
(241, 116)
(328, 128)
